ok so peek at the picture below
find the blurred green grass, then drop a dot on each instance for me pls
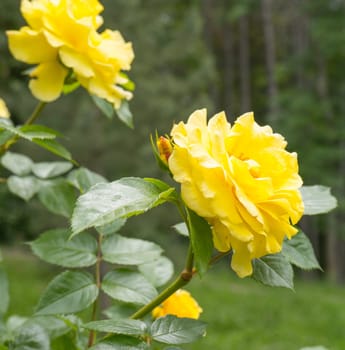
(241, 314)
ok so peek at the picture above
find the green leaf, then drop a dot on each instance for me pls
(273, 270)
(105, 203)
(46, 170)
(181, 228)
(53, 325)
(174, 330)
(159, 271)
(69, 292)
(55, 247)
(120, 310)
(125, 326)
(23, 187)
(202, 243)
(83, 179)
(128, 286)
(54, 147)
(4, 292)
(111, 228)
(106, 107)
(124, 114)
(121, 342)
(58, 196)
(117, 249)
(31, 337)
(317, 199)
(17, 163)
(5, 136)
(299, 251)
(31, 132)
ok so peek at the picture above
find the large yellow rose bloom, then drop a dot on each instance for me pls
(242, 180)
(4, 113)
(179, 304)
(61, 38)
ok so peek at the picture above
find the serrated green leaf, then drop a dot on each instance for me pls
(159, 271)
(105, 203)
(124, 326)
(23, 187)
(117, 249)
(273, 270)
(5, 136)
(125, 114)
(69, 292)
(55, 247)
(58, 196)
(181, 228)
(106, 107)
(128, 286)
(174, 330)
(120, 310)
(4, 292)
(111, 228)
(54, 147)
(53, 325)
(121, 342)
(299, 251)
(317, 199)
(46, 170)
(31, 132)
(17, 163)
(31, 337)
(83, 179)
(201, 239)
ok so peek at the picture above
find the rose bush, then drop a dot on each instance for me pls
(242, 180)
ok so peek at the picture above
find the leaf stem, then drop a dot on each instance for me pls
(185, 276)
(92, 334)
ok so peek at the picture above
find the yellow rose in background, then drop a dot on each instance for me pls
(61, 38)
(241, 180)
(179, 304)
(4, 113)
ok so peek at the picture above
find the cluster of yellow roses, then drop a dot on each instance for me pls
(62, 40)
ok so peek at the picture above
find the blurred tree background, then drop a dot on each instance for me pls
(284, 60)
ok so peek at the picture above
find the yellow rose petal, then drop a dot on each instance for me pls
(47, 81)
(30, 46)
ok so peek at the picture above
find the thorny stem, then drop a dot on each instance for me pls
(92, 334)
(185, 276)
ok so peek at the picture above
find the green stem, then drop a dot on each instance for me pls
(92, 334)
(185, 276)
(36, 113)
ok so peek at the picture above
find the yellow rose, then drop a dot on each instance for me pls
(180, 304)
(4, 113)
(62, 38)
(241, 180)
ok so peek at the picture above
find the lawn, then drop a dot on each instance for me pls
(241, 314)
